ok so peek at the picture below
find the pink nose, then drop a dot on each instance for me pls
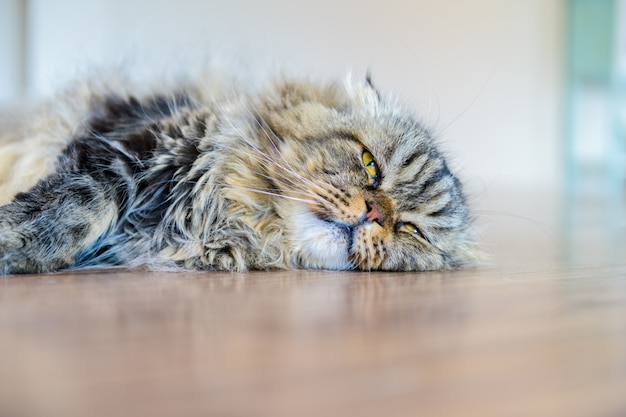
(374, 214)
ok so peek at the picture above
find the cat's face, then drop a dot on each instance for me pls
(367, 189)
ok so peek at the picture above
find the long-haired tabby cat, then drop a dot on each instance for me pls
(295, 175)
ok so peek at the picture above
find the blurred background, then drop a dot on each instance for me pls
(524, 95)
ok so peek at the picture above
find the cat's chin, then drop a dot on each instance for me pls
(319, 244)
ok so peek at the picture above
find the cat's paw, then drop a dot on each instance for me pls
(12, 260)
(10, 245)
(18, 254)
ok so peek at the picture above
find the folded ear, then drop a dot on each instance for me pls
(305, 120)
(301, 109)
(288, 94)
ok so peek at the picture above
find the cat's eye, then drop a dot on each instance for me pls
(411, 228)
(370, 165)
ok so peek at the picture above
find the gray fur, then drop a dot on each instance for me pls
(187, 179)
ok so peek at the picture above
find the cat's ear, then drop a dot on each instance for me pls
(305, 120)
(294, 93)
(302, 109)
(363, 95)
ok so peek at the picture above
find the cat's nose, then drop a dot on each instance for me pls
(373, 213)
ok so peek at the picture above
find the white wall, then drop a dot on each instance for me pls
(11, 49)
(486, 74)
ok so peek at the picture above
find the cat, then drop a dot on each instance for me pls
(297, 174)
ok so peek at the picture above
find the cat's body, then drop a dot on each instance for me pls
(297, 175)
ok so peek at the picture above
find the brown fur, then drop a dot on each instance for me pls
(230, 180)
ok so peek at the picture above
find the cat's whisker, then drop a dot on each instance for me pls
(265, 156)
(283, 175)
(295, 186)
(254, 190)
(266, 131)
(231, 124)
(290, 182)
(295, 174)
(273, 190)
(304, 192)
(288, 167)
(298, 190)
(256, 116)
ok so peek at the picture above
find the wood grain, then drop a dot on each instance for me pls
(539, 332)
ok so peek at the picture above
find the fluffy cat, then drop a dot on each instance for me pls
(295, 175)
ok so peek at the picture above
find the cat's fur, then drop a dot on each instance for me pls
(235, 180)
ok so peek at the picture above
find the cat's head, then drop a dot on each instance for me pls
(365, 186)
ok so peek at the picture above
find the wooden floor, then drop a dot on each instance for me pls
(539, 332)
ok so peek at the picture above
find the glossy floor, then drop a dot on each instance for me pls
(540, 332)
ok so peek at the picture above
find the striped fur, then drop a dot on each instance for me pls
(185, 178)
